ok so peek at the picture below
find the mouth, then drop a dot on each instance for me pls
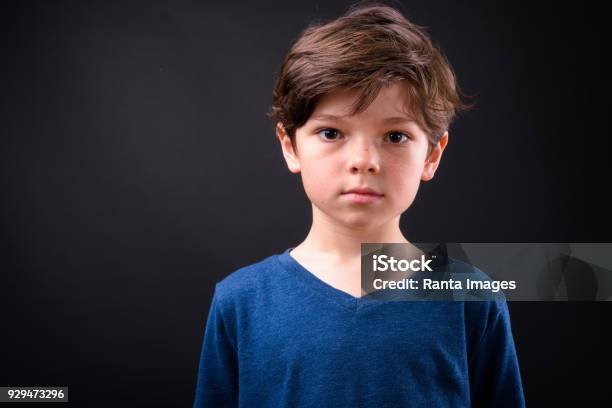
(362, 195)
(363, 190)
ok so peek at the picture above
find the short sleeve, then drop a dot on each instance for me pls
(495, 379)
(217, 382)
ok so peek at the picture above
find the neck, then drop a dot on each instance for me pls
(328, 237)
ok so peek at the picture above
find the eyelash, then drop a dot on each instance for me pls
(407, 138)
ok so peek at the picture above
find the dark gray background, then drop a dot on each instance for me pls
(138, 168)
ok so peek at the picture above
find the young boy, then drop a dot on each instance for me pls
(362, 106)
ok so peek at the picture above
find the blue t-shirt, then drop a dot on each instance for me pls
(278, 336)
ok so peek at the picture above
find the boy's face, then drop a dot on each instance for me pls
(381, 148)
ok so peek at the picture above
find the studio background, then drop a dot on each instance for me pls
(138, 168)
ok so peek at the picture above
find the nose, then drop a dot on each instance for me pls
(363, 158)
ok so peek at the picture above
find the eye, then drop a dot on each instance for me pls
(397, 137)
(329, 134)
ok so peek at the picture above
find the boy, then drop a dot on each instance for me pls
(362, 106)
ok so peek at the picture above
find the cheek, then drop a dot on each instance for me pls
(318, 180)
(404, 180)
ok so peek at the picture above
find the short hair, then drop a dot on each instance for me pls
(370, 46)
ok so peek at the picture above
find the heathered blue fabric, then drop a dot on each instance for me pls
(278, 336)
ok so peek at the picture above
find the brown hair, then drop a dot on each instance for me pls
(370, 46)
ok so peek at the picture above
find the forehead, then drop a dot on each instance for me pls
(391, 100)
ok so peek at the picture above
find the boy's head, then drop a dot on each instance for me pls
(362, 106)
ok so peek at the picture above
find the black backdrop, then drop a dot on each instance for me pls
(138, 168)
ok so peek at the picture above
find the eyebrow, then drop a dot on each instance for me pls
(390, 120)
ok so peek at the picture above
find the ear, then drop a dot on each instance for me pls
(289, 152)
(433, 160)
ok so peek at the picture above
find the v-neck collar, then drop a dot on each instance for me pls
(350, 302)
(331, 293)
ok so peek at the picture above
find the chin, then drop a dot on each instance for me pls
(361, 221)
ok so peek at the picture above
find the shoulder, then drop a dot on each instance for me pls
(485, 309)
(246, 282)
(477, 283)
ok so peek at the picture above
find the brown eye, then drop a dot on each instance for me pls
(329, 134)
(397, 137)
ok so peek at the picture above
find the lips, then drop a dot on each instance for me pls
(363, 190)
(362, 195)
